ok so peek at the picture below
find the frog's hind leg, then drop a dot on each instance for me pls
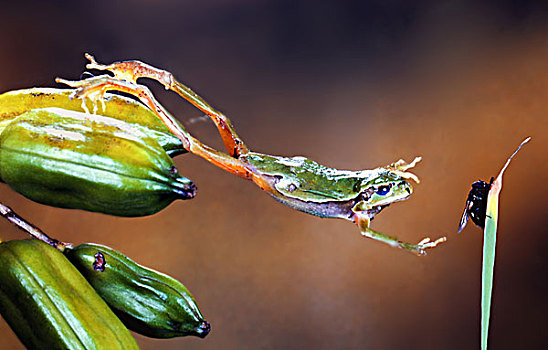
(417, 249)
(133, 70)
(95, 88)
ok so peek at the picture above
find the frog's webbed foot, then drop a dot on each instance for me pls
(132, 70)
(87, 89)
(401, 166)
(419, 248)
(94, 88)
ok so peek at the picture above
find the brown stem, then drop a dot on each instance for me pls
(29, 228)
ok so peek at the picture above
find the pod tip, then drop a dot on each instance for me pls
(203, 329)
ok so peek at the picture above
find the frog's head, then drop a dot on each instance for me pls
(387, 187)
(384, 188)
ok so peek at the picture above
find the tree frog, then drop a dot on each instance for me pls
(297, 182)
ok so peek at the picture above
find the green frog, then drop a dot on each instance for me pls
(297, 182)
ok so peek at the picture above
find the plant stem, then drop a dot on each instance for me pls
(29, 228)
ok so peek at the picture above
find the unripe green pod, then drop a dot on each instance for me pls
(15, 103)
(148, 302)
(69, 159)
(49, 305)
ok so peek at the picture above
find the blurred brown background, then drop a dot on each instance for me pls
(351, 84)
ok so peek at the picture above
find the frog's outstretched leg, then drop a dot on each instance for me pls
(363, 222)
(95, 87)
(132, 70)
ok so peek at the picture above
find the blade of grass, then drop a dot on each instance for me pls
(489, 242)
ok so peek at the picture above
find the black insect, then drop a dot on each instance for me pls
(476, 204)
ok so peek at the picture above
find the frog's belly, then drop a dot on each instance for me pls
(327, 209)
(333, 209)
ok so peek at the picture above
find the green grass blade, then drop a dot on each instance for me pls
(489, 242)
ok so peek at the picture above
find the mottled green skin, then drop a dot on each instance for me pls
(15, 103)
(147, 301)
(326, 192)
(49, 305)
(70, 160)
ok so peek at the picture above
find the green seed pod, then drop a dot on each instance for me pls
(148, 302)
(15, 103)
(69, 159)
(49, 305)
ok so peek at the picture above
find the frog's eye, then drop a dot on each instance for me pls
(382, 190)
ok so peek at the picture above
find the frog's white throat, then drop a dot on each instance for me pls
(393, 199)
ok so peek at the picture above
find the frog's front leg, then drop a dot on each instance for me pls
(133, 70)
(362, 221)
(401, 166)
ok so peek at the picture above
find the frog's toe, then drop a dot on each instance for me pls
(424, 241)
(427, 243)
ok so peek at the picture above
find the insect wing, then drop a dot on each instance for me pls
(464, 218)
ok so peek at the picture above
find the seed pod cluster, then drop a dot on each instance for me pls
(116, 163)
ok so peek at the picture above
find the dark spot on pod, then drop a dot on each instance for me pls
(99, 263)
(173, 170)
(291, 187)
(189, 192)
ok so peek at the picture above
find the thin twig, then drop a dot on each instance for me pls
(29, 228)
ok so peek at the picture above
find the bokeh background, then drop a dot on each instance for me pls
(351, 84)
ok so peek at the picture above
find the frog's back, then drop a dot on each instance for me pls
(302, 178)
